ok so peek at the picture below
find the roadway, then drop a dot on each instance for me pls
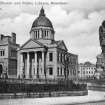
(92, 103)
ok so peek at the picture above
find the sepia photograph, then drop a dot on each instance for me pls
(52, 52)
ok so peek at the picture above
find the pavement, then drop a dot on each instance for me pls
(91, 103)
(93, 96)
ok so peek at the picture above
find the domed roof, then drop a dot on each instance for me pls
(42, 20)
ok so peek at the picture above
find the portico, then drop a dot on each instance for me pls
(32, 64)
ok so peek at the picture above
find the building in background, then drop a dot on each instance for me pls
(86, 70)
(8, 56)
(42, 57)
(72, 66)
(99, 66)
(81, 71)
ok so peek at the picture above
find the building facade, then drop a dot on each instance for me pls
(8, 56)
(99, 66)
(86, 70)
(42, 57)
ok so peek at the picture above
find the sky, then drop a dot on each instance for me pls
(75, 21)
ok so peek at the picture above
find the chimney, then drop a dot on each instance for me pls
(13, 35)
(1, 36)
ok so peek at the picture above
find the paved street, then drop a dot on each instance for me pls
(92, 103)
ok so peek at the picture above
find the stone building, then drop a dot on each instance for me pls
(42, 57)
(99, 66)
(8, 56)
(86, 70)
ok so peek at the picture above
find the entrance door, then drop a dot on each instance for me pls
(1, 70)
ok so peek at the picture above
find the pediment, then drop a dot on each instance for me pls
(62, 46)
(32, 44)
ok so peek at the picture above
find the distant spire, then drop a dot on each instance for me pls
(42, 12)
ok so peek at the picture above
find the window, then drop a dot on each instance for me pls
(13, 53)
(74, 72)
(61, 70)
(58, 71)
(50, 71)
(78, 71)
(61, 57)
(47, 34)
(58, 56)
(50, 56)
(38, 33)
(2, 52)
(34, 70)
(83, 72)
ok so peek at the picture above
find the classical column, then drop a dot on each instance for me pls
(21, 65)
(35, 64)
(28, 66)
(40, 33)
(43, 65)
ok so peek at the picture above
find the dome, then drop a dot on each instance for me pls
(42, 20)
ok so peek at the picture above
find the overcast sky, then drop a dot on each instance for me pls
(76, 22)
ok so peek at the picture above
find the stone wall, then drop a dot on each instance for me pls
(43, 94)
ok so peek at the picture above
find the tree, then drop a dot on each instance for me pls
(66, 69)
